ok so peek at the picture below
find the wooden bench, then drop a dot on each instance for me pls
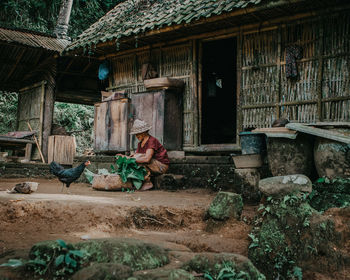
(16, 144)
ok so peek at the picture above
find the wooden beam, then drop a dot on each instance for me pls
(86, 67)
(77, 74)
(15, 140)
(323, 133)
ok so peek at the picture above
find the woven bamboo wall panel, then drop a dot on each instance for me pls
(337, 35)
(123, 71)
(259, 86)
(300, 113)
(189, 112)
(152, 57)
(176, 61)
(260, 48)
(304, 35)
(258, 117)
(303, 88)
(336, 111)
(321, 90)
(336, 77)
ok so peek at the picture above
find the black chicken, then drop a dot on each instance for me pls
(67, 176)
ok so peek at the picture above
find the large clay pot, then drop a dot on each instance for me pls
(290, 156)
(332, 159)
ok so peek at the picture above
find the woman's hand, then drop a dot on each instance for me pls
(121, 155)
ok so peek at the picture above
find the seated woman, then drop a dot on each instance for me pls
(150, 153)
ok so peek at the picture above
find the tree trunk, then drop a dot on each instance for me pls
(61, 29)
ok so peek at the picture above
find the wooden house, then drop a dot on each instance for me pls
(32, 66)
(244, 63)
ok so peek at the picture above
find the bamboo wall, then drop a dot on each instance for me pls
(175, 61)
(322, 90)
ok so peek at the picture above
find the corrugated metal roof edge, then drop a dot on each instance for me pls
(34, 32)
(61, 44)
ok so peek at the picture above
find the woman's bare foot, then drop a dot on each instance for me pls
(146, 186)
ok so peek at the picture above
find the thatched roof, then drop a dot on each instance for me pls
(132, 18)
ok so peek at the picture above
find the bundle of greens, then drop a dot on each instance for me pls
(128, 169)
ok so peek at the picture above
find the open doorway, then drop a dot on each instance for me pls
(219, 92)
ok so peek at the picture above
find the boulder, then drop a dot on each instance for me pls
(291, 238)
(164, 274)
(131, 252)
(226, 205)
(214, 263)
(283, 185)
(102, 271)
(134, 253)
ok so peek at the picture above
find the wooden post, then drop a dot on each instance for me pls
(194, 78)
(50, 77)
(239, 112)
(279, 80)
(200, 90)
(28, 152)
(319, 75)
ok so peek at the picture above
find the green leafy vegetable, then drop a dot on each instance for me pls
(128, 169)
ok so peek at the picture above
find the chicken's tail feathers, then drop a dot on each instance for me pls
(55, 168)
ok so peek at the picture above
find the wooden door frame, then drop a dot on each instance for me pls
(199, 89)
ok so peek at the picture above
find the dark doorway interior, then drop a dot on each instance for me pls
(219, 92)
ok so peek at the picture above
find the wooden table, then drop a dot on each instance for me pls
(16, 144)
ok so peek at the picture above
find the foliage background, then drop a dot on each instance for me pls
(41, 15)
(79, 118)
(8, 112)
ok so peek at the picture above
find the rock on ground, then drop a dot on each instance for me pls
(226, 205)
(282, 185)
(102, 271)
(213, 263)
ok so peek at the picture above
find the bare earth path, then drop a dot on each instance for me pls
(173, 219)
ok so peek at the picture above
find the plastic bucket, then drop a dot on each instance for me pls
(252, 143)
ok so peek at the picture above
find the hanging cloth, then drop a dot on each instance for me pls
(292, 54)
(103, 70)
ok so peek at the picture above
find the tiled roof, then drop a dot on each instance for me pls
(32, 39)
(132, 17)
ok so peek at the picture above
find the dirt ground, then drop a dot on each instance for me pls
(173, 219)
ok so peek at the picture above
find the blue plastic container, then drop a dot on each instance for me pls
(252, 143)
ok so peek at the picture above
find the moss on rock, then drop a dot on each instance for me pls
(131, 252)
(213, 263)
(292, 237)
(226, 205)
(103, 271)
(164, 274)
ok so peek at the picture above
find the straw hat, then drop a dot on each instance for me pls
(139, 127)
